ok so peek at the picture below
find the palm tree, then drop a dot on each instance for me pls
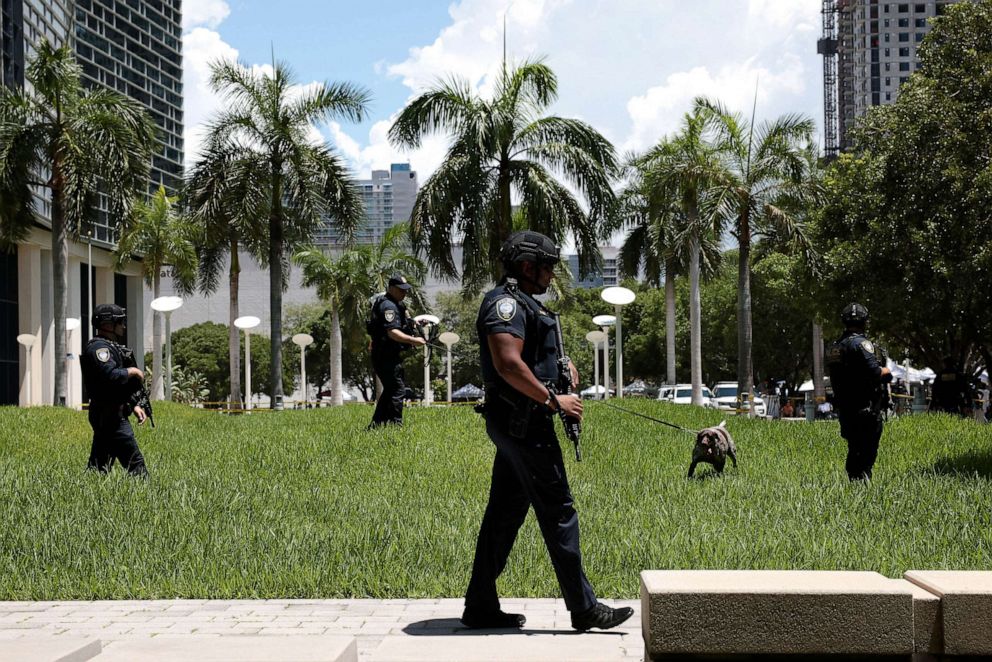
(61, 141)
(765, 163)
(345, 283)
(688, 168)
(218, 190)
(163, 238)
(500, 147)
(269, 120)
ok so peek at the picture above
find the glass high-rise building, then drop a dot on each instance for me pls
(388, 198)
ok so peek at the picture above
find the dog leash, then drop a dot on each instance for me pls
(650, 418)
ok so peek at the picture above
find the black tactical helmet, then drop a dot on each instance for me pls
(108, 312)
(528, 246)
(854, 314)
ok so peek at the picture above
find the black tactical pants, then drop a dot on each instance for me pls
(528, 473)
(113, 439)
(389, 408)
(862, 429)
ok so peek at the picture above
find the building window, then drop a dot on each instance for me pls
(886, 52)
(904, 51)
(885, 8)
(921, 22)
(921, 9)
(903, 9)
(904, 80)
(886, 22)
(887, 34)
(888, 81)
(903, 22)
(888, 96)
(903, 36)
(904, 66)
(919, 37)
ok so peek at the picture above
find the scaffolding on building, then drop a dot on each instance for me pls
(827, 47)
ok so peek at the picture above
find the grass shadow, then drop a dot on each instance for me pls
(973, 464)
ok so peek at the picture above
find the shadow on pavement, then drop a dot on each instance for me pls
(435, 627)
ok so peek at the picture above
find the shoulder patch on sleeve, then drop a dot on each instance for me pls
(506, 308)
(389, 315)
(867, 346)
(103, 354)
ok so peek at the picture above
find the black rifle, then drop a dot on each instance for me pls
(884, 399)
(573, 426)
(143, 401)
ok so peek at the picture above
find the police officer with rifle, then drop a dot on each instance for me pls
(116, 389)
(523, 370)
(392, 331)
(860, 384)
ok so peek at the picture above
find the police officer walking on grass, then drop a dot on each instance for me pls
(858, 381)
(518, 356)
(392, 331)
(114, 384)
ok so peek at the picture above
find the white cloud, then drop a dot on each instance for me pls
(659, 110)
(379, 153)
(209, 13)
(201, 47)
(779, 14)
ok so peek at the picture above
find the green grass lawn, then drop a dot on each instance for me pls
(304, 504)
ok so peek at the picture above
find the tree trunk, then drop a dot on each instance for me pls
(745, 369)
(819, 387)
(695, 327)
(158, 377)
(670, 319)
(275, 290)
(60, 259)
(337, 398)
(233, 335)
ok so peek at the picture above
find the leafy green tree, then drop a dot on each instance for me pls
(267, 121)
(501, 147)
(907, 226)
(69, 143)
(347, 281)
(163, 239)
(688, 167)
(221, 185)
(770, 170)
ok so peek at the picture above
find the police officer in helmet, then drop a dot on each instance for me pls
(858, 380)
(518, 357)
(392, 332)
(114, 383)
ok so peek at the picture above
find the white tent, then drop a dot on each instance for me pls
(915, 376)
(593, 391)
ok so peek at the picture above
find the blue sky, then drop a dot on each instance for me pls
(629, 67)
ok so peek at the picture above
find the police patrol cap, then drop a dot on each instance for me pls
(108, 312)
(529, 246)
(399, 281)
(854, 313)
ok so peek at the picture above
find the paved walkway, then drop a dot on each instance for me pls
(370, 621)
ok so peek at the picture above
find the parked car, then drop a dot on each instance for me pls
(666, 391)
(726, 398)
(640, 389)
(682, 395)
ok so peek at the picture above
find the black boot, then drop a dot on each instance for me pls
(601, 617)
(492, 619)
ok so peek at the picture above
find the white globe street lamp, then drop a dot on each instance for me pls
(167, 305)
(449, 339)
(604, 322)
(427, 321)
(303, 339)
(596, 337)
(246, 324)
(29, 342)
(618, 296)
(71, 324)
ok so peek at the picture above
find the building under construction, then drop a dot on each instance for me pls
(869, 50)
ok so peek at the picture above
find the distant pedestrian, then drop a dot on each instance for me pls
(857, 380)
(114, 384)
(950, 390)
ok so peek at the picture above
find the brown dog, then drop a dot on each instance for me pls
(713, 445)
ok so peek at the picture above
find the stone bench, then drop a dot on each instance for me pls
(49, 649)
(965, 608)
(789, 613)
(304, 648)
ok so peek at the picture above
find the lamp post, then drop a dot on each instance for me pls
(604, 322)
(596, 337)
(449, 339)
(167, 305)
(618, 296)
(246, 324)
(29, 342)
(427, 321)
(71, 324)
(303, 339)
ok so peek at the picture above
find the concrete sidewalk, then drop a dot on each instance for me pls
(369, 621)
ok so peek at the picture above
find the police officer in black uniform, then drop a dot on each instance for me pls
(950, 390)
(391, 330)
(518, 356)
(113, 382)
(857, 380)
